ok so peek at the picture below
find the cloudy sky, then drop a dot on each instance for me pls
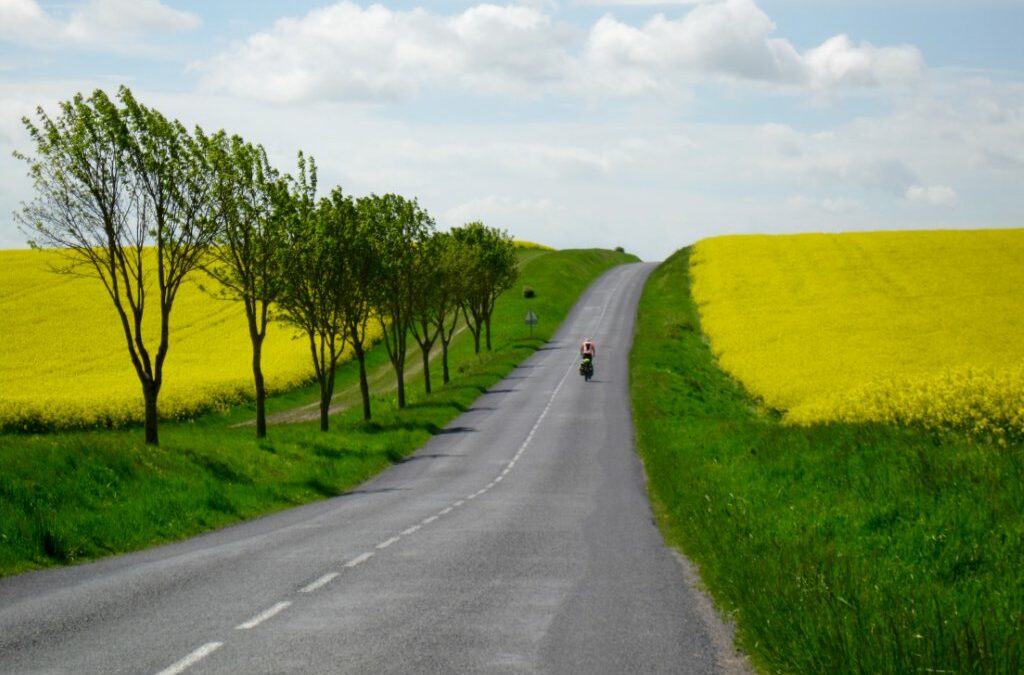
(573, 122)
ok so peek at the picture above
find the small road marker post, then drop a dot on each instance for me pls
(531, 320)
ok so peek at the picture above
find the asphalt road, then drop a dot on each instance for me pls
(520, 540)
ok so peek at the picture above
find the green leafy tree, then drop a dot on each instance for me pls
(312, 278)
(425, 323)
(450, 286)
(362, 275)
(398, 228)
(491, 267)
(124, 192)
(249, 198)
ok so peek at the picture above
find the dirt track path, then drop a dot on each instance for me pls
(381, 380)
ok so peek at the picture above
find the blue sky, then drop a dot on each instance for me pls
(573, 122)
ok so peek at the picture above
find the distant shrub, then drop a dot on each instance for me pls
(619, 249)
(528, 292)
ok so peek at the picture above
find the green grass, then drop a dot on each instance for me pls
(836, 548)
(73, 496)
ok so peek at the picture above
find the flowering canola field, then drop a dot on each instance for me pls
(923, 327)
(64, 361)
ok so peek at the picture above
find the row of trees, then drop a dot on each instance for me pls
(139, 202)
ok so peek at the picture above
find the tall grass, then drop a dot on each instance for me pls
(836, 547)
(72, 496)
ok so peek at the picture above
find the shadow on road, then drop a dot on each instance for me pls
(417, 458)
(456, 430)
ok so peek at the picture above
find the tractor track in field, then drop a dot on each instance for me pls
(381, 381)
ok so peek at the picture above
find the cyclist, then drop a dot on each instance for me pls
(588, 349)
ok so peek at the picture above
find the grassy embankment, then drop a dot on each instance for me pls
(835, 547)
(72, 496)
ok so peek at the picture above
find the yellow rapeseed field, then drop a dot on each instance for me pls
(64, 360)
(922, 327)
(526, 245)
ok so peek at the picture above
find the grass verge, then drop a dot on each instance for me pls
(67, 497)
(835, 547)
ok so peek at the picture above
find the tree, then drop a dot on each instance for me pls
(248, 198)
(424, 323)
(449, 280)
(362, 279)
(312, 278)
(398, 228)
(491, 268)
(122, 190)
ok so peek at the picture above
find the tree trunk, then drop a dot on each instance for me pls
(400, 377)
(325, 407)
(395, 344)
(150, 391)
(328, 362)
(487, 325)
(474, 327)
(444, 362)
(426, 368)
(328, 393)
(364, 385)
(261, 389)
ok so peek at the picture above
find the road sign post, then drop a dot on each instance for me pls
(531, 320)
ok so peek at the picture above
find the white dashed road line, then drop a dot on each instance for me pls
(191, 659)
(389, 542)
(264, 615)
(319, 583)
(359, 559)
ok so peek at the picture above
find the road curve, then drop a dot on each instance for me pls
(519, 540)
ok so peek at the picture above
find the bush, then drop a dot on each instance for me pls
(528, 292)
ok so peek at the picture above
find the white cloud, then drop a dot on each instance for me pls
(24, 21)
(347, 52)
(881, 172)
(639, 3)
(99, 20)
(728, 38)
(528, 214)
(539, 4)
(999, 160)
(97, 23)
(508, 49)
(831, 205)
(935, 195)
(733, 39)
(838, 62)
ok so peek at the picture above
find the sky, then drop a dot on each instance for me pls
(574, 123)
